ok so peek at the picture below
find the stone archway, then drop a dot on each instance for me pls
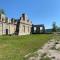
(37, 29)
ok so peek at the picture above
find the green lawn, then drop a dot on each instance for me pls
(15, 47)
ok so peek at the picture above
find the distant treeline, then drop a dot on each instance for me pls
(50, 30)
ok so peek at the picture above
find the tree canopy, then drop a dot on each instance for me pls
(2, 11)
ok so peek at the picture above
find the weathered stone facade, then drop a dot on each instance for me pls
(21, 26)
(6, 27)
(38, 29)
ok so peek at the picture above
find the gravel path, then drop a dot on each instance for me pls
(50, 49)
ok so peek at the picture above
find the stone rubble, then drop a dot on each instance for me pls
(50, 49)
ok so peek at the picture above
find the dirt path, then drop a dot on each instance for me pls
(50, 50)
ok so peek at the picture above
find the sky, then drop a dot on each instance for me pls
(39, 11)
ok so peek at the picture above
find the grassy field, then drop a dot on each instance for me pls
(15, 47)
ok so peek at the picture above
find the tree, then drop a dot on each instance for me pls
(13, 20)
(2, 11)
(54, 29)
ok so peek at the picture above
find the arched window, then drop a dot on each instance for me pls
(34, 29)
(2, 19)
(41, 29)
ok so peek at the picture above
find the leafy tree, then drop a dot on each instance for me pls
(2, 11)
(13, 20)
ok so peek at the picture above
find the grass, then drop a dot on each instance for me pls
(16, 47)
(47, 58)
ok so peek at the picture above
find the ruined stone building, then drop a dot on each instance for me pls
(6, 25)
(20, 26)
(23, 26)
(38, 29)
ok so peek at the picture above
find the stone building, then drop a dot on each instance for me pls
(6, 25)
(38, 29)
(20, 26)
(24, 25)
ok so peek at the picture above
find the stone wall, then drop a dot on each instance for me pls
(3, 26)
(8, 26)
(24, 29)
(0, 28)
(24, 26)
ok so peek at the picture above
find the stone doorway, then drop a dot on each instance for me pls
(6, 31)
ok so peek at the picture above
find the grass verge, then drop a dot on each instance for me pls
(16, 47)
